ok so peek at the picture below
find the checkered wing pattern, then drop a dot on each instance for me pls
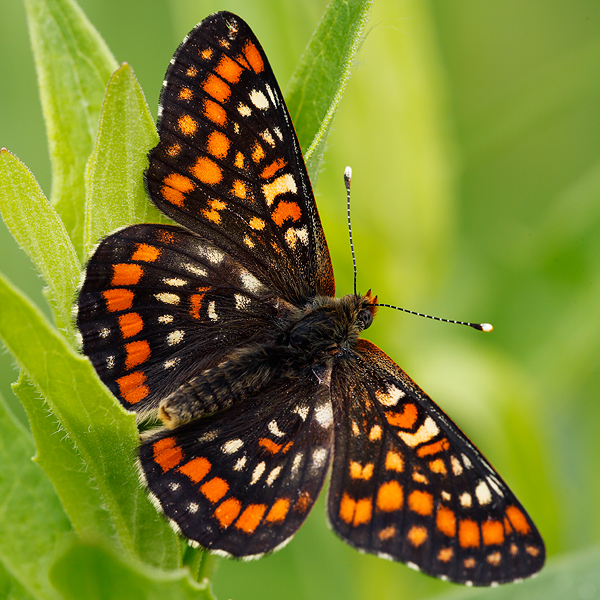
(242, 482)
(408, 485)
(229, 165)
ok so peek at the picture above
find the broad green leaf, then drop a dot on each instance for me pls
(57, 455)
(32, 520)
(73, 66)
(40, 232)
(116, 195)
(11, 588)
(573, 575)
(104, 434)
(320, 78)
(91, 571)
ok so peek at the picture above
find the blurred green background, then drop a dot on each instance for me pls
(473, 129)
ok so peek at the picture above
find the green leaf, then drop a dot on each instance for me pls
(32, 520)
(116, 195)
(40, 232)
(104, 434)
(73, 66)
(90, 571)
(320, 78)
(11, 588)
(58, 456)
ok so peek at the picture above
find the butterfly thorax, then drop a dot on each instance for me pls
(303, 339)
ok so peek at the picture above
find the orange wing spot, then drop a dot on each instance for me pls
(239, 160)
(270, 170)
(196, 302)
(212, 215)
(257, 224)
(394, 462)
(167, 453)
(166, 237)
(421, 502)
(207, 171)
(179, 182)
(419, 477)
(286, 211)
(191, 71)
(217, 88)
(173, 150)
(249, 520)
(241, 59)
(228, 69)
(118, 299)
(197, 469)
(507, 527)
(492, 533)
(362, 512)
(253, 57)
(137, 353)
(257, 153)
(347, 506)
(514, 550)
(218, 144)
(390, 496)
(304, 501)
(248, 241)
(357, 471)
(215, 112)
(130, 324)
(532, 551)
(185, 94)
(387, 534)
(417, 535)
(495, 558)
(239, 188)
(434, 448)
(206, 54)
(227, 512)
(278, 511)
(469, 563)
(187, 125)
(173, 196)
(445, 521)
(405, 419)
(214, 489)
(287, 447)
(468, 533)
(438, 466)
(269, 445)
(517, 520)
(126, 274)
(146, 253)
(132, 388)
(445, 554)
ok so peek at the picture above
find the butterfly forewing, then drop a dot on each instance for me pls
(229, 165)
(241, 483)
(408, 485)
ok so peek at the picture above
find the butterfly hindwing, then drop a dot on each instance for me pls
(242, 482)
(229, 166)
(159, 305)
(408, 485)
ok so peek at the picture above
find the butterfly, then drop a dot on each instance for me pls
(226, 326)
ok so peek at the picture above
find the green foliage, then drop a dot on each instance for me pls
(77, 523)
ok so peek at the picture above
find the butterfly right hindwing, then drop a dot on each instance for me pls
(408, 485)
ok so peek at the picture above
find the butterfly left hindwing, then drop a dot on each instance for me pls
(229, 330)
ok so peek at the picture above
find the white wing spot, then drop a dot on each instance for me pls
(209, 436)
(426, 432)
(104, 332)
(167, 298)
(193, 507)
(195, 269)
(302, 411)
(175, 337)
(174, 281)
(110, 362)
(278, 133)
(244, 110)
(258, 471)
(250, 282)
(274, 429)
(172, 362)
(319, 457)
(391, 397)
(465, 500)
(266, 135)
(240, 463)
(466, 461)
(457, 468)
(212, 313)
(174, 486)
(296, 463)
(241, 301)
(165, 319)
(259, 99)
(273, 475)
(324, 414)
(494, 485)
(271, 95)
(232, 446)
(482, 491)
(446, 496)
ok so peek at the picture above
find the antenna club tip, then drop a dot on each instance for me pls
(348, 173)
(486, 327)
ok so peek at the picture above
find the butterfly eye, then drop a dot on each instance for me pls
(365, 319)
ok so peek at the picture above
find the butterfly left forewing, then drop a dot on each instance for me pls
(229, 166)
(242, 482)
(408, 485)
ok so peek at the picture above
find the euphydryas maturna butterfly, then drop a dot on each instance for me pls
(228, 326)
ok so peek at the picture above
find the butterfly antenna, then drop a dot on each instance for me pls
(347, 181)
(479, 326)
